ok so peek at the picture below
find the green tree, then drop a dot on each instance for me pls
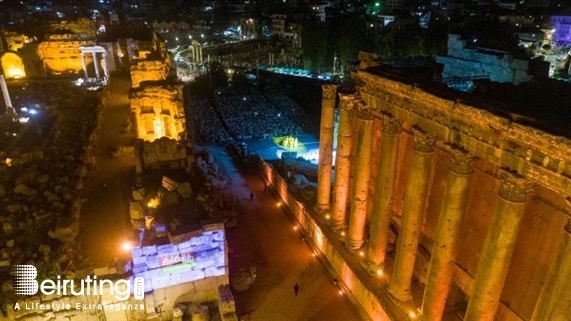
(314, 42)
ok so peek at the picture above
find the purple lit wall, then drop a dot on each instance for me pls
(562, 26)
(197, 258)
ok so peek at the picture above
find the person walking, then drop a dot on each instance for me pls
(251, 197)
(295, 288)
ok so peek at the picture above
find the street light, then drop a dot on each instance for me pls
(127, 246)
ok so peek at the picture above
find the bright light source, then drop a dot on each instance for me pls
(380, 272)
(313, 254)
(295, 228)
(33, 111)
(127, 246)
(340, 292)
(361, 253)
(176, 38)
(279, 204)
(342, 233)
(412, 314)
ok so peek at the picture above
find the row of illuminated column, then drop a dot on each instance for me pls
(502, 234)
(96, 64)
(196, 51)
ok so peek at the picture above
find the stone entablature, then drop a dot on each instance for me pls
(536, 155)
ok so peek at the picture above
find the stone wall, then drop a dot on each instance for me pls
(63, 55)
(462, 62)
(163, 153)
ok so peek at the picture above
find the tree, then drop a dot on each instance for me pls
(314, 38)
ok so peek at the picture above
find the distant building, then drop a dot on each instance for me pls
(390, 5)
(562, 25)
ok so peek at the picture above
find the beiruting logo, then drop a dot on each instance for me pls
(25, 283)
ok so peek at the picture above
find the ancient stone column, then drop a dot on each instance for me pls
(326, 147)
(360, 192)
(96, 65)
(84, 65)
(342, 162)
(447, 237)
(105, 70)
(200, 53)
(413, 210)
(498, 247)
(554, 302)
(385, 186)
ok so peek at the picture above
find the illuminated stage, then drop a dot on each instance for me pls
(307, 147)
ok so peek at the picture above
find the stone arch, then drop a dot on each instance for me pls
(13, 66)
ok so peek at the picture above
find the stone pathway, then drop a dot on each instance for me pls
(265, 238)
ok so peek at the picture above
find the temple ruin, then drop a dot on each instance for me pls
(61, 53)
(439, 209)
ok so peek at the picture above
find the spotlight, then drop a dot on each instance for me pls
(127, 246)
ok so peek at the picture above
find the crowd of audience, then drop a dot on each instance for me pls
(207, 122)
(248, 117)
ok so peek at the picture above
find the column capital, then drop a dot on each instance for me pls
(346, 102)
(461, 162)
(365, 113)
(514, 187)
(423, 142)
(391, 125)
(328, 92)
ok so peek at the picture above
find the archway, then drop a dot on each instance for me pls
(13, 66)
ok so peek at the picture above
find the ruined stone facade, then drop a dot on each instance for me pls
(60, 53)
(479, 203)
(158, 111)
(15, 41)
(149, 60)
(162, 153)
(13, 66)
(500, 66)
(84, 27)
